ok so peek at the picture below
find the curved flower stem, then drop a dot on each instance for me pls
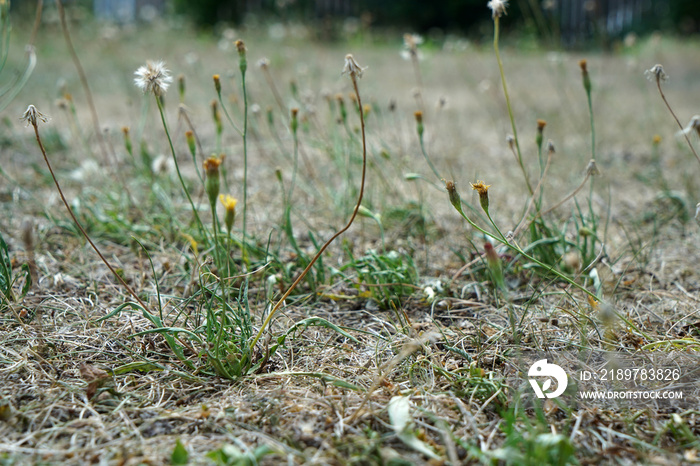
(533, 201)
(514, 247)
(228, 117)
(215, 225)
(510, 110)
(177, 168)
(84, 82)
(658, 84)
(244, 253)
(517, 249)
(80, 227)
(301, 276)
(427, 159)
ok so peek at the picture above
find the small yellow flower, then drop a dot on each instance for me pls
(229, 204)
(482, 188)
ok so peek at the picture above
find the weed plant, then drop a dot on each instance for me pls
(231, 313)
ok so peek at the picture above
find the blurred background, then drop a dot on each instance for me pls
(558, 23)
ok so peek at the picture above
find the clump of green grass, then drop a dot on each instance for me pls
(9, 279)
(223, 336)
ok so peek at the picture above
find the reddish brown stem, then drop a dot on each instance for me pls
(77, 223)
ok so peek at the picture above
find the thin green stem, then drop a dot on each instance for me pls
(505, 93)
(228, 117)
(215, 224)
(427, 159)
(294, 167)
(244, 253)
(498, 230)
(687, 139)
(590, 112)
(514, 247)
(177, 167)
(301, 276)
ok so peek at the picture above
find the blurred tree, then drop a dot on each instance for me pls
(463, 15)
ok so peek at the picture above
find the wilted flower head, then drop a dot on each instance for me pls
(163, 165)
(212, 183)
(498, 7)
(240, 46)
(583, 64)
(656, 74)
(211, 165)
(352, 67)
(263, 63)
(154, 77)
(32, 115)
(592, 169)
(693, 125)
(455, 199)
(411, 41)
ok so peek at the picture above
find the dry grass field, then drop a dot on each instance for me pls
(409, 340)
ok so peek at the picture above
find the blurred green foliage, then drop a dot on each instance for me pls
(681, 16)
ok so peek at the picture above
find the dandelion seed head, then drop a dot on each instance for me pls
(656, 74)
(154, 78)
(32, 116)
(693, 125)
(163, 165)
(498, 7)
(411, 41)
(352, 68)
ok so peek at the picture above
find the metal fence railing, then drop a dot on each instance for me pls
(580, 20)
